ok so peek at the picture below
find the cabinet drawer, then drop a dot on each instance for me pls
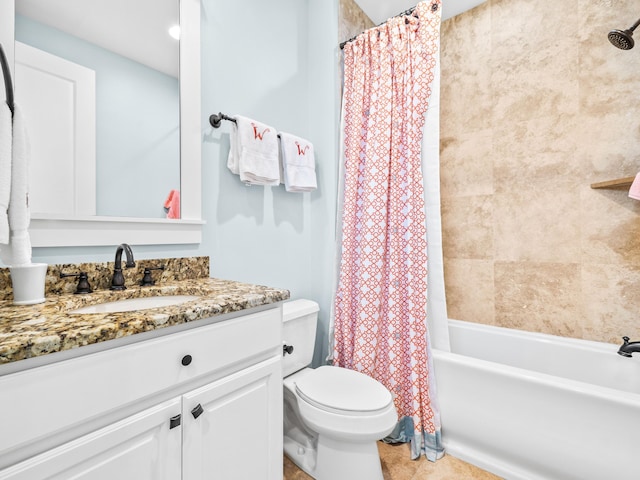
(41, 402)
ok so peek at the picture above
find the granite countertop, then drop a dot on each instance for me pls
(28, 331)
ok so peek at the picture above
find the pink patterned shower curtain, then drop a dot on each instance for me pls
(380, 323)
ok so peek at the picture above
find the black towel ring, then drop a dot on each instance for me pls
(6, 73)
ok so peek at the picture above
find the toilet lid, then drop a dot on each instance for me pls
(342, 389)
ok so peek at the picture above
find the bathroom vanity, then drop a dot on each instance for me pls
(191, 391)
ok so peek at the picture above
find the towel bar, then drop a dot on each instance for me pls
(216, 120)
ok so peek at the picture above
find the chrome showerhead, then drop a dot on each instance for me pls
(623, 39)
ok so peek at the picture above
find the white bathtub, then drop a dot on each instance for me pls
(529, 406)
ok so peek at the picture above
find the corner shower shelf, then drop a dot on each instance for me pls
(617, 183)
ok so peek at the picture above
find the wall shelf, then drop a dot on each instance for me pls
(617, 183)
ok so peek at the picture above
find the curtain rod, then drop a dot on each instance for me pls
(434, 7)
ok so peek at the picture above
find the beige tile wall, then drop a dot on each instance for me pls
(536, 105)
(352, 20)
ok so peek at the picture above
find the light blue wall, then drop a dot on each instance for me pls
(324, 120)
(273, 61)
(277, 62)
(137, 123)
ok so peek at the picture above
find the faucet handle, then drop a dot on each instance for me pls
(83, 281)
(625, 339)
(147, 279)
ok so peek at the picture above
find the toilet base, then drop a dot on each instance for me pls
(336, 460)
(346, 461)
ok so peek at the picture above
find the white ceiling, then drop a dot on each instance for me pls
(117, 25)
(380, 10)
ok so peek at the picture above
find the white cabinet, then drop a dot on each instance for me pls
(233, 428)
(194, 405)
(142, 446)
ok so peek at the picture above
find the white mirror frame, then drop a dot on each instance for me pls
(56, 231)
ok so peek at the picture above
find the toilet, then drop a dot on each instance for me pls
(332, 416)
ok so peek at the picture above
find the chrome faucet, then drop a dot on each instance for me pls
(117, 282)
(627, 349)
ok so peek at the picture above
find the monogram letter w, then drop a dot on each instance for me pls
(302, 151)
(258, 135)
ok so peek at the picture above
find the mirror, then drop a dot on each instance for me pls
(99, 84)
(175, 145)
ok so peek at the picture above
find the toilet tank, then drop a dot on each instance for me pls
(300, 318)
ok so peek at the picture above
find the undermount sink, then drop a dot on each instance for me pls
(132, 304)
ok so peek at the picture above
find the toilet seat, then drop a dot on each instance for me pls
(343, 391)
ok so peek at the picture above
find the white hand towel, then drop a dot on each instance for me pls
(233, 160)
(254, 152)
(19, 214)
(298, 163)
(5, 170)
(634, 190)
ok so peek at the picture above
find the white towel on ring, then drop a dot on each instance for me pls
(18, 252)
(254, 152)
(5, 170)
(298, 163)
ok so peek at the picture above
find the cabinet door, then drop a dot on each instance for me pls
(233, 427)
(140, 447)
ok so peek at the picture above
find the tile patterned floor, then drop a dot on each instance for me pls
(396, 465)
